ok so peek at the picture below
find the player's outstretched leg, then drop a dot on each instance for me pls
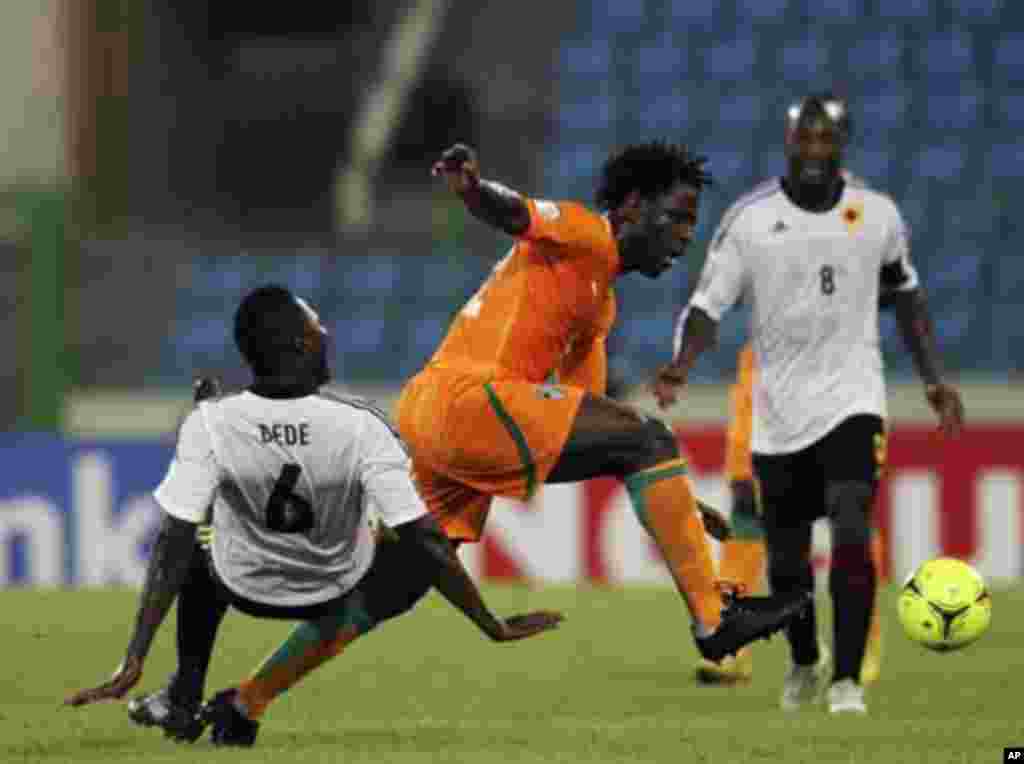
(608, 438)
(391, 587)
(234, 713)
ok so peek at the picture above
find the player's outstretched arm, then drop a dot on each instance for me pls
(168, 566)
(486, 200)
(425, 537)
(915, 323)
(699, 333)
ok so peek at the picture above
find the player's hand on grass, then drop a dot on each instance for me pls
(667, 383)
(459, 167)
(946, 402)
(528, 625)
(127, 676)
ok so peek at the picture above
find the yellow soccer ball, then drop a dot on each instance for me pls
(945, 605)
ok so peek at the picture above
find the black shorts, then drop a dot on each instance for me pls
(793, 485)
(393, 584)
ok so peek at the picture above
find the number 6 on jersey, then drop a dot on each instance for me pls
(828, 279)
(288, 512)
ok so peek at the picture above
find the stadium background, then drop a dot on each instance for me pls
(163, 158)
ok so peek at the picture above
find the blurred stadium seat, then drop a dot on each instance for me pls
(977, 11)
(589, 59)
(762, 11)
(695, 12)
(665, 114)
(948, 55)
(882, 112)
(847, 11)
(1010, 110)
(731, 59)
(594, 114)
(800, 60)
(944, 162)
(955, 111)
(661, 57)
(906, 10)
(874, 54)
(624, 15)
(871, 165)
(731, 168)
(359, 334)
(1006, 160)
(1008, 62)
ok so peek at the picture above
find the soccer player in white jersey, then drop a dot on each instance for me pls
(811, 252)
(297, 478)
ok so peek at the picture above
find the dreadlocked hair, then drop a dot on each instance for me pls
(267, 325)
(650, 168)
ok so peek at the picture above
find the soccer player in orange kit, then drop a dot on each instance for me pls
(514, 396)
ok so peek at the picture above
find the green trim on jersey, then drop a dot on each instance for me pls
(525, 455)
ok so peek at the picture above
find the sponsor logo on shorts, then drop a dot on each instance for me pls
(550, 392)
(547, 210)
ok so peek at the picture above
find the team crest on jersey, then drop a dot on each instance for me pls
(547, 210)
(853, 216)
(550, 392)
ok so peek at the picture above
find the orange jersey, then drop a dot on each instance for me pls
(547, 306)
(737, 449)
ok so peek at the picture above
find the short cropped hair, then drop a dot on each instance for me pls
(267, 325)
(649, 168)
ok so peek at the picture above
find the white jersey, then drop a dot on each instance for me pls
(812, 281)
(295, 484)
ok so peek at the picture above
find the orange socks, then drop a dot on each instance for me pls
(301, 653)
(743, 562)
(663, 500)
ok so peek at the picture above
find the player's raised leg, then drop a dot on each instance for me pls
(608, 438)
(396, 582)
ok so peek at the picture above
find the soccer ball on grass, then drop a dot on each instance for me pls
(945, 605)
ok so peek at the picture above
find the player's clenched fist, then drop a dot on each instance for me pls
(947, 403)
(667, 382)
(460, 168)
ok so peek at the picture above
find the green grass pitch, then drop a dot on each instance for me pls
(614, 684)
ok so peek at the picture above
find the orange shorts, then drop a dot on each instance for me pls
(472, 439)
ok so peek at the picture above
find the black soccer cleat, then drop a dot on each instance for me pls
(746, 619)
(230, 726)
(180, 722)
